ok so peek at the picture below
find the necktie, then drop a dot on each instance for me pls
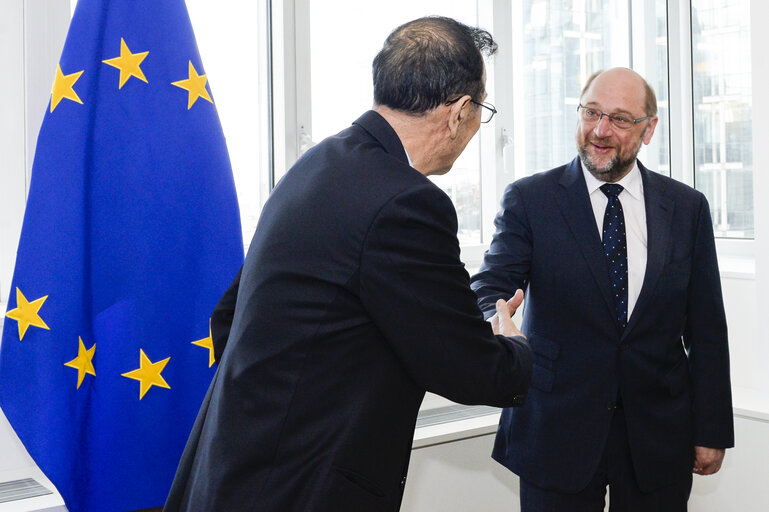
(615, 248)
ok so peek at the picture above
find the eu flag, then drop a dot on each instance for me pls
(131, 234)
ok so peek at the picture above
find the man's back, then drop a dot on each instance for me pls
(330, 352)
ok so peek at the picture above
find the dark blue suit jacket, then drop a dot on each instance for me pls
(351, 303)
(670, 365)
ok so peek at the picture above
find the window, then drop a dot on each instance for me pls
(237, 70)
(342, 88)
(558, 44)
(657, 76)
(722, 111)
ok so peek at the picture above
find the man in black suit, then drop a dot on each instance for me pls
(624, 315)
(353, 302)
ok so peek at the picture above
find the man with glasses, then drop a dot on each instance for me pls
(352, 302)
(624, 315)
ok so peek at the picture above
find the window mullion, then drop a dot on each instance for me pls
(681, 96)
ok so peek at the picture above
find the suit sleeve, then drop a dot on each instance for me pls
(222, 315)
(417, 292)
(507, 263)
(705, 337)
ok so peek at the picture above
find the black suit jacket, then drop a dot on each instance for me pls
(351, 303)
(670, 365)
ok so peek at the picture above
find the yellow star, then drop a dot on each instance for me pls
(128, 64)
(148, 374)
(195, 85)
(62, 88)
(209, 344)
(27, 313)
(83, 363)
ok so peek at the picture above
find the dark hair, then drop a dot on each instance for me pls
(429, 61)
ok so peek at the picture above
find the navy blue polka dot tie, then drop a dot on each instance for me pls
(615, 248)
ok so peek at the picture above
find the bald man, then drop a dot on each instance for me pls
(624, 314)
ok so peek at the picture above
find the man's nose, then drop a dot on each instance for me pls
(603, 127)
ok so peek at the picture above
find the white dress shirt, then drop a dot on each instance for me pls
(633, 208)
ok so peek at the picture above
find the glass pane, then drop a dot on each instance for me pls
(558, 45)
(660, 86)
(342, 92)
(240, 93)
(723, 129)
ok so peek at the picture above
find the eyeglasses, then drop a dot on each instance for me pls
(486, 114)
(621, 121)
(488, 111)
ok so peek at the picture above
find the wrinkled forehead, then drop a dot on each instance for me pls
(617, 91)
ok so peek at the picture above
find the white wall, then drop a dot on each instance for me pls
(461, 476)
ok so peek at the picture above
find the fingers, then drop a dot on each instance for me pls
(503, 315)
(515, 301)
(710, 469)
(707, 461)
(706, 468)
(502, 322)
(495, 323)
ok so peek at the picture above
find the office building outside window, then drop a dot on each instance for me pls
(721, 77)
(560, 44)
(342, 87)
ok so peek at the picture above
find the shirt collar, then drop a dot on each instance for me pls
(411, 164)
(631, 182)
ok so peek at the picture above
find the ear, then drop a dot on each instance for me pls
(458, 114)
(649, 131)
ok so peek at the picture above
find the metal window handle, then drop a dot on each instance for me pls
(305, 140)
(508, 154)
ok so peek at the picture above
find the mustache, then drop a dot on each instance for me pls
(604, 141)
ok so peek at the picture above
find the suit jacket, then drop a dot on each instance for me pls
(351, 303)
(670, 365)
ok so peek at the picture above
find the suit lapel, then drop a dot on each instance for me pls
(659, 213)
(577, 211)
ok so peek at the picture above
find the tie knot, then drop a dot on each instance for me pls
(611, 189)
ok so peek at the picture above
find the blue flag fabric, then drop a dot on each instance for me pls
(130, 236)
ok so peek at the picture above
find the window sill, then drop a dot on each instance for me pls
(737, 267)
(457, 422)
(454, 422)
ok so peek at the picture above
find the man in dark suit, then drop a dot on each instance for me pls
(624, 315)
(353, 302)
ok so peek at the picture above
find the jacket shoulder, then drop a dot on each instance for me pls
(540, 181)
(677, 191)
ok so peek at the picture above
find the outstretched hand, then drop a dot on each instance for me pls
(502, 321)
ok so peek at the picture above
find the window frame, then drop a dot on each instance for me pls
(293, 130)
(33, 36)
(736, 256)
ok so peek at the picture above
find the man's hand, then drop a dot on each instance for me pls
(707, 461)
(502, 321)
